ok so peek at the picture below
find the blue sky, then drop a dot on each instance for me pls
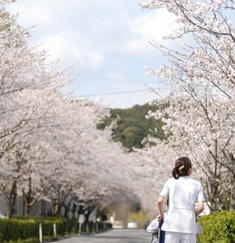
(107, 39)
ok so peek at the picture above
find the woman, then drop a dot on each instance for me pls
(183, 192)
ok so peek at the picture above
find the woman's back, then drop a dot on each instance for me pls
(183, 194)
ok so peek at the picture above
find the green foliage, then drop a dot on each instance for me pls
(139, 217)
(218, 227)
(132, 125)
(18, 230)
(19, 217)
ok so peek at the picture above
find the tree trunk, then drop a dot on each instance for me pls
(27, 199)
(66, 209)
(26, 210)
(55, 206)
(80, 210)
(232, 198)
(43, 208)
(12, 199)
(74, 209)
(214, 190)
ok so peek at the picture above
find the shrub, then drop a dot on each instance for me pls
(218, 227)
(14, 230)
(47, 225)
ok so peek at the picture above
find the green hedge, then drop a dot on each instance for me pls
(17, 229)
(47, 226)
(218, 227)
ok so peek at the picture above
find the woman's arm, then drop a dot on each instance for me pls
(161, 207)
(200, 208)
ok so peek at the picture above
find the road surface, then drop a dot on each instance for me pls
(113, 236)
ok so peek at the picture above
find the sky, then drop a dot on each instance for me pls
(107, 40)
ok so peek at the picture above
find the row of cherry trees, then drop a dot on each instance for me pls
(50, 147)
(199, 110)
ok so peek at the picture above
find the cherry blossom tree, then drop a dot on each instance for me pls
(199, 118)
(211, 58)
(50, 147)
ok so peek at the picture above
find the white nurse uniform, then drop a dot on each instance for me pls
(183, 194)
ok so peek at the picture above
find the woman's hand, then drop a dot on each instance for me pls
(160, 218)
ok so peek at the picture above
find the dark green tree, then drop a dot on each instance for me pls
(132, 126)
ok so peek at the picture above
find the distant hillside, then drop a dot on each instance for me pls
(132, 126)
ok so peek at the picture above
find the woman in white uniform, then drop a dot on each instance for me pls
(183, 192)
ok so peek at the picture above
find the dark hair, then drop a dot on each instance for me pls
(182, 166)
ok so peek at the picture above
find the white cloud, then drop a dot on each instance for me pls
(148, 27)
(153, 25)
(31, 12)
(98, 28)
(106, 38)
(96, 59)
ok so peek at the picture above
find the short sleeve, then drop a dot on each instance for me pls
(200, 196)
(165, 190)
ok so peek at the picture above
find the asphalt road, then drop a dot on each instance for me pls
(113, 236)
